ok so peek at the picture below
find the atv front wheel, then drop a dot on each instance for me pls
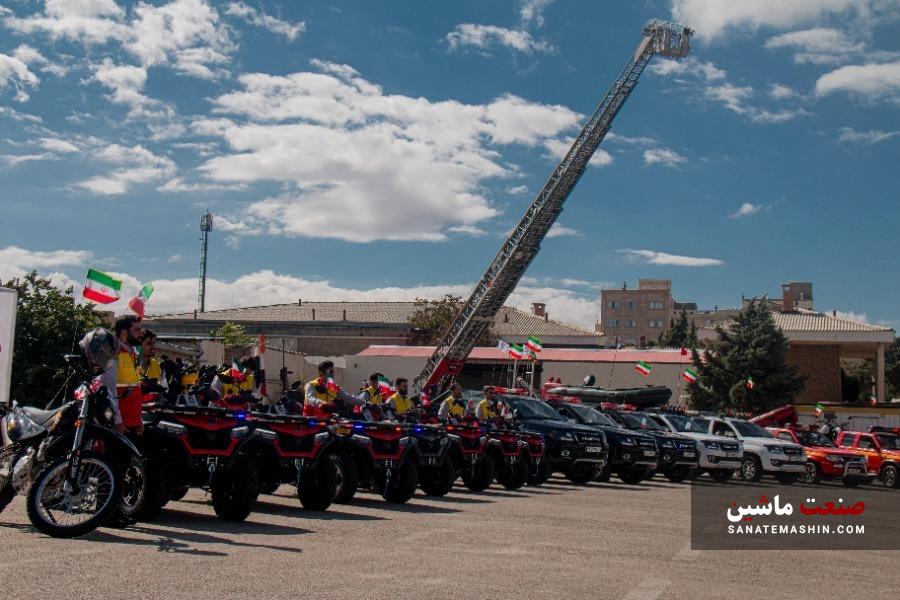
(438, 481)
(318, 485)
(347, 477)
(401, 485)
(581, 474)
(478, 477)
(235, 489)
(542, 472)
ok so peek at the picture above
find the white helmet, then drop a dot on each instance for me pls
(99, 347)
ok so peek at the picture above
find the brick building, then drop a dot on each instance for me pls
(635, 316)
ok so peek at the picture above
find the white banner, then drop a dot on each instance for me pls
(7, 333)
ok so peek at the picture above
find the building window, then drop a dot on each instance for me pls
(656, 304)
(612, 322)
(630, 304)
(655, 323)
(614, 304)
(630, 323)
(630, 341)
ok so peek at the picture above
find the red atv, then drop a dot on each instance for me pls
(468, 451)
(194, 446)
(509, 451)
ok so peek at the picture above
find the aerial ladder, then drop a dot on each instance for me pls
(522, 245)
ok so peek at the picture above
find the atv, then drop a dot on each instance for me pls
(468, 451)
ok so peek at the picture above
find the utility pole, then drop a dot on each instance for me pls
(206, 225)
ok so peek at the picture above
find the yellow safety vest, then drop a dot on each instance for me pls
(325, 395)
(401, 404)
(152, 371)
(483, 411)
(374, 395)
(127, 373)
(455, 409)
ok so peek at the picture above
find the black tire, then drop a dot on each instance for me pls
(581, 474)
(889, 477)
(751, 468)
(53, 472)
(851, 483)
(678, 473)
(478, 477)
(144, 493)
(235, 489)
(513, 476)
(318, 485)
(811, 474)
(6, 495)
(347, 477)
(650, 474)
(633, 475)
(721, 475)
(694, 473)
(402, 484)
(605, 474)
(540, 473)
(176, 494)
(438, 481)
(787, 478)
(269, 487)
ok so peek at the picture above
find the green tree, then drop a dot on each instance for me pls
(680, 334)
(892, 369)
(232, 334)
(752, 347)
(49, 322)
(433, 317)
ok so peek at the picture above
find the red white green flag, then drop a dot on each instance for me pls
(534, 344)
(750, 383)
(101, 288)
(516, 352)
(689, 375)
(643, 368)
(820, 408)
(139, 303)
(385, 389)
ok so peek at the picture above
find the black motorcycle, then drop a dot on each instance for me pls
(67, 461)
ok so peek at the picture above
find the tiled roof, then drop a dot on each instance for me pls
(509, 321)
(547, 355)
(808, 320)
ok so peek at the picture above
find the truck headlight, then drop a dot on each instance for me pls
(834, 458)
(567, 436)
(627, 441)
(711, 444)
(775, 449)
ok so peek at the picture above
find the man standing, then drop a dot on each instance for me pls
(149, 365)
(400, 402)
(128, 377)
(322, 392)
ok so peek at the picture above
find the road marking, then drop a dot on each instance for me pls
(650, 589)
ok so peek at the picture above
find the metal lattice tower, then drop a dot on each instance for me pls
(206, 225)
(522, 245)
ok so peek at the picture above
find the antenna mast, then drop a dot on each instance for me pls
(206, 225)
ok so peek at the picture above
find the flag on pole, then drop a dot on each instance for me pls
(643, 368)
(502, 346)
(534, 344)
(516, 352)
(618, 342)
(690, 375)
(235, 371)
(385, 388)
(331, 385)
(750, 383)
(260, 378)
(139, 303)
(820, 408)
(101, 288)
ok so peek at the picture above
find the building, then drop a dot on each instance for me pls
(635, 316)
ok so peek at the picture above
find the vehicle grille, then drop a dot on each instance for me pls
(589, 438)
(791, 451)
(685, 445)
(729, 446)
(649, 444)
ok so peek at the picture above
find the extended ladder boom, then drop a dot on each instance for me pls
(522, 245)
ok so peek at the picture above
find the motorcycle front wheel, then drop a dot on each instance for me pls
(67, 511)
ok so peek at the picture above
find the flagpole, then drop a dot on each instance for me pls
(613, 368)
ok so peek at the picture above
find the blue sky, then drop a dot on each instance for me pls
(363, 150)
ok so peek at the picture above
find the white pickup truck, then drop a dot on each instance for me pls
(763, 454)
(720, 456)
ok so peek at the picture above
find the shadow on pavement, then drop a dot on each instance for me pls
(271, 508)
(457, 498)
(412, 507)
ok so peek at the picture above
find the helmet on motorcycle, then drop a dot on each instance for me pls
(98, 348)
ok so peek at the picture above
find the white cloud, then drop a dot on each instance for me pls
(88, 21)
(467, 230)
(532, 12)
(31, 56)
(261, 19)
(15, 73)
(174, 259)
(139, 165)
(735, 99)
(361, 165)
(631, 141)
(560, 230)
(17, 159)
(871, 82)
(712, 19)
(16, 262)
(58, 145)
(820, 46)
(849, 315)
(663, 156)
(667, 67)
(517, 190)
(126, 82)
(484, 37)
(177, 185)
(663, 258)
(873, 136)
(748, 209)
(781, 92)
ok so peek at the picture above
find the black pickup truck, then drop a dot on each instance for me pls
(632, 456)
(577, 451)
(678, 454)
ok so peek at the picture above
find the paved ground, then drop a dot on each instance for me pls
(607, 541)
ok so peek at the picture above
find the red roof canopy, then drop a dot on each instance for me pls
(547, 355)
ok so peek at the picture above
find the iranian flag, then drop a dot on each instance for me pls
(101, 288)
(385, 388)
(516, 352)
(534, 344)
(750, 383)
(643, 368)
(331, 385)
(689, 375)
(139, 303)
(235, 371)
(820, 408)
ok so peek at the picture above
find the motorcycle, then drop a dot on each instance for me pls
(67, 461)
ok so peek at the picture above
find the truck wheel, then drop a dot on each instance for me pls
(678, 473)
(6, 495)
(478, 477)
(581, 474)
(145, 490)
(604, 475)
(514, 476)
(633, 476)
(178, 493)
(235, 488)
(269, 487)
(438, 481)
(811, 474)
(851, 483)
(347, 477)
(541, 474)
(751, 469)
(787, 478)
(721, 475)
(650, 474)
(318, 485)
(889, 477)
(403, 482)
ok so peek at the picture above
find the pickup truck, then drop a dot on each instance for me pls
(824, 460)
(763, 454)
(678, 454)
(720, 456)
(881, 451)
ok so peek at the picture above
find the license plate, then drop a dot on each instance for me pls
(649, 452)
(855, 469)
(342, 431)
(594, 449)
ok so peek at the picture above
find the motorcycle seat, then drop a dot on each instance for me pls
(41, 417)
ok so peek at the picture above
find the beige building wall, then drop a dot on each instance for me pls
(632, 314)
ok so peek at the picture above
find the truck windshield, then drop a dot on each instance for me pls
(591, 416)
(638, 421)
(811, 438)
(748, 429)
(685, 425)
(528, 408)
(888, 441)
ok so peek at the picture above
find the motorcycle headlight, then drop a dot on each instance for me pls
(775, 449)
(711, 444)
